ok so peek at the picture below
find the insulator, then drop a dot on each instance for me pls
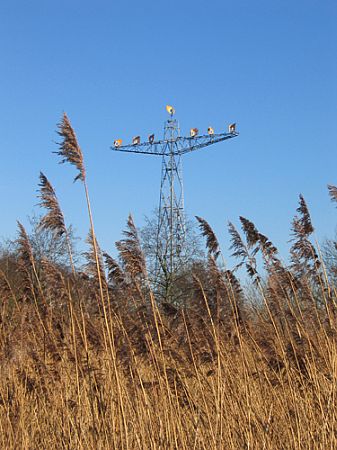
(210, 131)
(194, 132)
(232, 127)
(118, 143)
(136, 140)
(151, 138)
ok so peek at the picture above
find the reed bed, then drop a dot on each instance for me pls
(93, 358)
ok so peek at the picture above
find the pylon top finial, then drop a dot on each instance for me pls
(170, 110)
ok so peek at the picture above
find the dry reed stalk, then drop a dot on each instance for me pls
(133, 259)
(75, 351)
(216, 337)
(54, 284)
(91, 264)
(214, 251)
(248, 258)
(7, 289)
(27, 263)
(255, 408)
(71, 152)
(198, 376)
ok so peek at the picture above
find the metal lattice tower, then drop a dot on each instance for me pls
(170, 238)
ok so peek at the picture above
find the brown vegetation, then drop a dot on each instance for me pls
(93, 360)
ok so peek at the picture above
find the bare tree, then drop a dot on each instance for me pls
(52, 246)
(191, 253)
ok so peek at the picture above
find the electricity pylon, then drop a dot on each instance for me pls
(170, 239)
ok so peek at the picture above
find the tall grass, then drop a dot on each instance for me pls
(91, 359)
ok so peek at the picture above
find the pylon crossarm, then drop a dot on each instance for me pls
(184, 144)
(145, 148)
(190, 144)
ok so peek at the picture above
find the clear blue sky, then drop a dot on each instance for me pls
(270, 66)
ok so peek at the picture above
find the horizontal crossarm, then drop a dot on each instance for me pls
(190, 144)
(182, 144)
(156, 148)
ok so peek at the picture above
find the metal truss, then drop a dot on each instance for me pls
(183, 144)
(171, 221)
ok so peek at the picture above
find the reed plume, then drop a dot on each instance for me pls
(332, 192)
(211, 239)
(241, 250)
(116, 276)
(302, 225)
(303, 253)
(251, 233)
(54, 219)
(262, 242)
(25, 249)
(130, 251)
(69, 149)
(237, 245)
(268, 249)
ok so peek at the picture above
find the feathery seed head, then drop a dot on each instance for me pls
(54, 219)
(69, 148)
(211, 239)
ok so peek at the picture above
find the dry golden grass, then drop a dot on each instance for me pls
(68, 382)
(95, 361)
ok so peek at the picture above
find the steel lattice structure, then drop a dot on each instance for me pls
(171, 220)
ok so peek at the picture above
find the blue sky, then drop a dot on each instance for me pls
(112, 66)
